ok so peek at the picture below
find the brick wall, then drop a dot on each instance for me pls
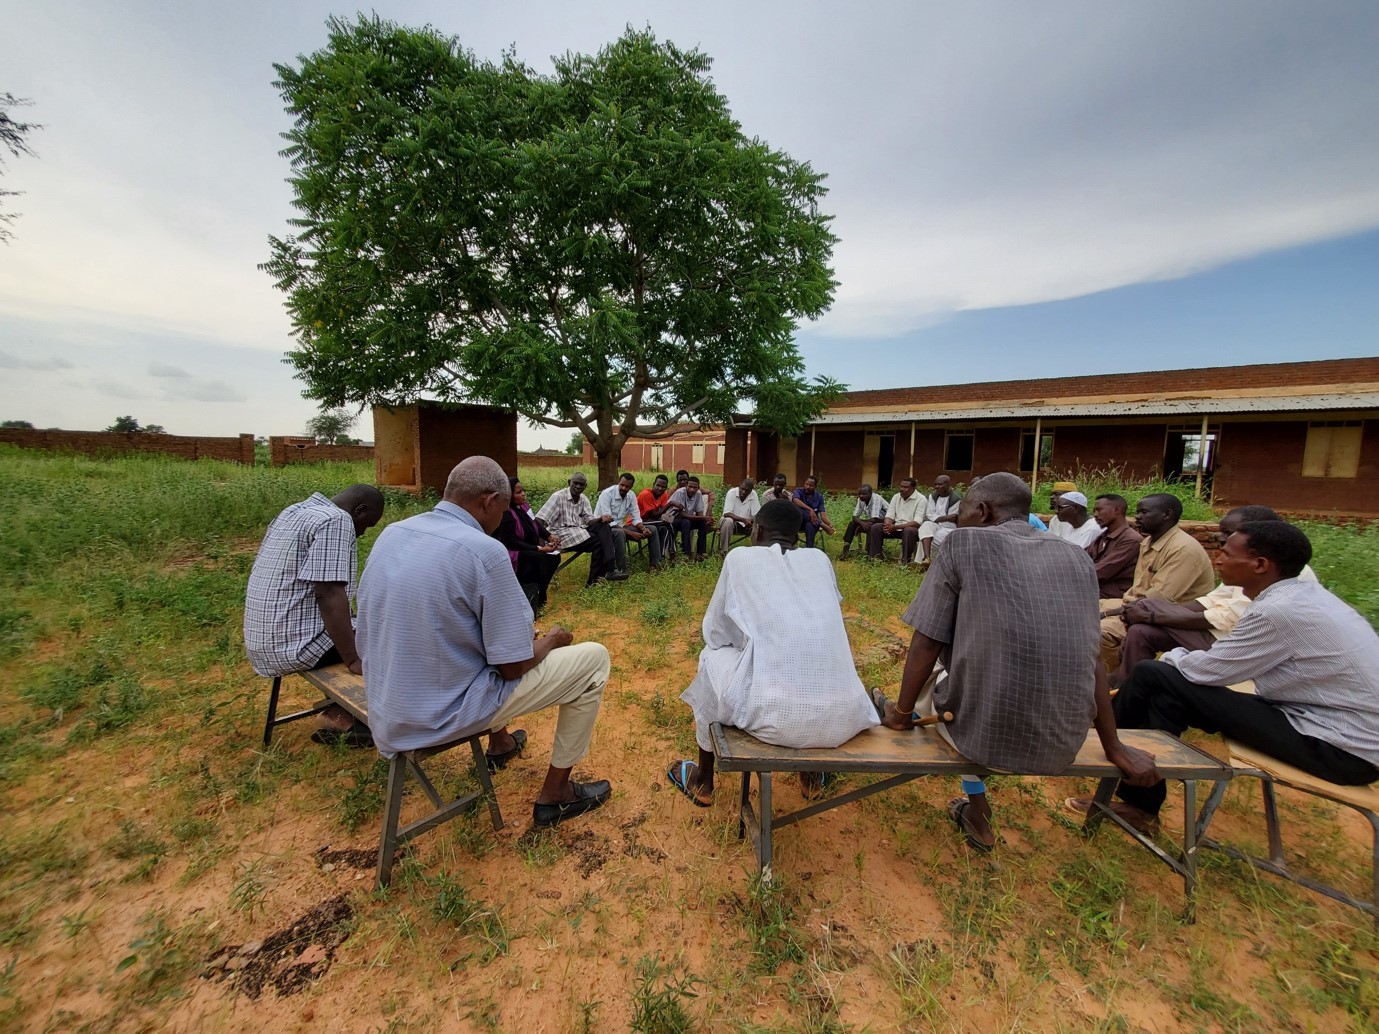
(107, 443)
(527, 459)
(282, 454)
(1262, 463)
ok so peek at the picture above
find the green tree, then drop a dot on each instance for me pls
(128, 423)
(575, 445)
(333, 426)
(17, 424)
(600, 249)
(12, 139)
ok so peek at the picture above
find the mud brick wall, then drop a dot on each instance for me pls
(281, 454)
(527, 459)
(110, 443)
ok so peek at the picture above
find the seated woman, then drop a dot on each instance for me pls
(531, 548)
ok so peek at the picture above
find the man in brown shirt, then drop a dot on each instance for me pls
(1172, 566)
(1023, 696)
(1117, 550)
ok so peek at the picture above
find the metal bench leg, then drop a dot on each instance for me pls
(1190, 849)
(1217, 795)
(1374, 867)
(486, 781)
(742, 805)
(1271, 821)
(272, 710)
(764, 824)
(1104, 790)
(392, 814)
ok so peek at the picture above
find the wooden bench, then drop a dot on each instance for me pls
(1251, 763)
(904, 756)
(341, 686)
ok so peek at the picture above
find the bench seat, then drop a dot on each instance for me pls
(341, 686)
(1250, 763)
(904, 756)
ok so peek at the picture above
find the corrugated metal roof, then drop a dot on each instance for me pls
(1146, 407)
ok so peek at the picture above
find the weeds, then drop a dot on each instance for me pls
(472, 916)
(363, 800)
(250, 888)
(133, 843)
(161, 959)
(769, 915)
(658, 1000)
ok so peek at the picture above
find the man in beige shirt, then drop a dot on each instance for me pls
(1172, 566)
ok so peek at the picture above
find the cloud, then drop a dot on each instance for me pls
(197, 390)
(10, 362)
(116, 389)
(166, 370)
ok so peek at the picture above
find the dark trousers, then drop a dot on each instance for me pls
(877, 536)
(684, 527)
(1145, 642)
(536, 569)
(810, 531)
(601, 561)
(1157, 696)
(851, 532)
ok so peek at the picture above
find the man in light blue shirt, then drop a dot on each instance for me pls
(447, 640)
(618, 507)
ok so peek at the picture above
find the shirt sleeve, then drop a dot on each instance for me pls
(547, 508)
(505, 617)
(934, 610)
(1254, 646)
(329, 557)
(604, 508)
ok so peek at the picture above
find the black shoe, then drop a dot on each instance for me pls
(617, 576)
(588, 796)
(497, 761)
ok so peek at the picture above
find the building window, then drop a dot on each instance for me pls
(1027, 451)
(957, 450)
(721, 450)
(697, 453)
(1332, 449)
(656, 460)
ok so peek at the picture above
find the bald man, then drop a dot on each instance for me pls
(1022, 702)
(297, 613)
(449, 644)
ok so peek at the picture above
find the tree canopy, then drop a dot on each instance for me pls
(128, 423)
(13, 136)
(600, 249)
(333, 426)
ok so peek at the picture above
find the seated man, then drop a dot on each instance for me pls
(1172, 566)
(811, 503)
(297, 605)
(567, 515)
(1071, 522)
(1314, 662)
(869, 509)
(739, 512)
(901, 522)
(689, 514)
(448, 641)
(776, 490)
(748, 644)
(617, 507)
(1116, 550)
(653, 502)
(1152, 626)
(1020, 702)
(940, 516)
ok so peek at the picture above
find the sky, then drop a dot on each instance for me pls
(1019, 189)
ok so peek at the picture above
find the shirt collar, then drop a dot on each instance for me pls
(450, 509)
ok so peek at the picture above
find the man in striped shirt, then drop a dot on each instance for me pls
(1313, 659)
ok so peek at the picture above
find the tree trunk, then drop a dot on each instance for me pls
(609, 458)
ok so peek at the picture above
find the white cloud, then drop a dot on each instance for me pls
(10, 362)
(167, 370)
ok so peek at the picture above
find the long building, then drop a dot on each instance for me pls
(1302, 437)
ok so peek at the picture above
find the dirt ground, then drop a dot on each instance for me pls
(881, 918)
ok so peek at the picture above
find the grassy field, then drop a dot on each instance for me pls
(159, 869)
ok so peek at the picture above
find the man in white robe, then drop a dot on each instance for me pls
(776, 661)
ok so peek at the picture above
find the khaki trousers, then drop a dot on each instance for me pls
(1112, 635)
(571, 678)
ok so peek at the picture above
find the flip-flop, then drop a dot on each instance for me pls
(678, 774)
(357, 735)
(957, 811)
(878, 701)
(497, 761)
(813, 784)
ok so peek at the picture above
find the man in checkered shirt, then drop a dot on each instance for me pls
(1023, 693)
(297, 613)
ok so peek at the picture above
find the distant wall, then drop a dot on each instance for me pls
(282, 453)
(527, 459)
(106, 443)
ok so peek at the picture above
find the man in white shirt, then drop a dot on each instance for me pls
(1152, 626)
(569, 517)
(739, 512)
(617, 507)
(1071, 522)
(752, 637)
(869, 509)
(1313, 659)
(902, 521)
(940, 516)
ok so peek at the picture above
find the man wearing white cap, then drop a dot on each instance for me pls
(1070, 520)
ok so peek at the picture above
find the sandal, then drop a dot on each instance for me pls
(678, 774)
(957, 811)
(497, 761)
